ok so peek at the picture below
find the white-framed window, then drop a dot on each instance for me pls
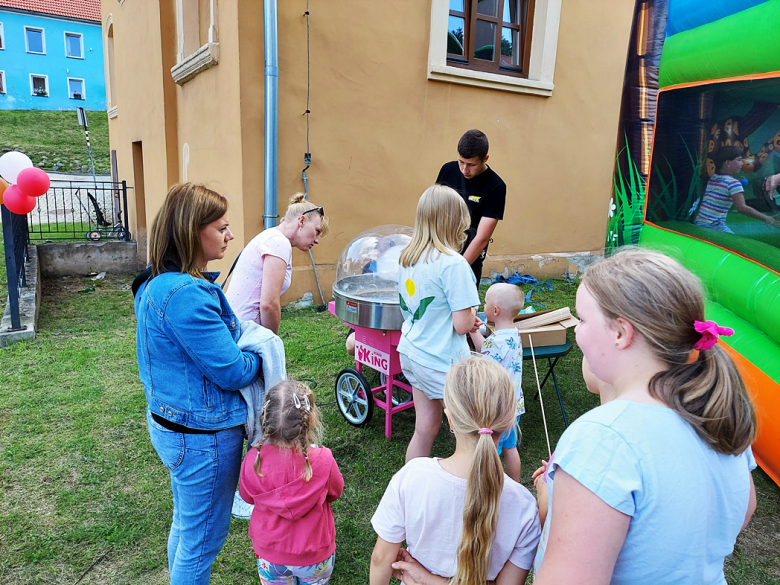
(2, 37)
(538, 62)
(35, 40)
(39, 85)
(74, 45)
(2, 81)
(76, 90)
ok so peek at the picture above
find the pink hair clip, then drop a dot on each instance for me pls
(710, 331)
(485, 431)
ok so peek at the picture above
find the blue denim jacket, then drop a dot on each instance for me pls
(188, 360)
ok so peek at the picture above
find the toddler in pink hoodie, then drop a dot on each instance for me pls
(291, 485)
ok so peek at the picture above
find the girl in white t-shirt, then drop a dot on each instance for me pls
(438, 296)
(264, 268)
(462, 517)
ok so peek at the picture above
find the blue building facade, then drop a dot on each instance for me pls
(50, 62)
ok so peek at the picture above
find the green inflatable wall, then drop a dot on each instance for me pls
(751, 293)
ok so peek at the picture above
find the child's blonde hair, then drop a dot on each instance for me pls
(290, 419)
(479, 394)
(507, 297)
(661, 300)
(300, 205)
(440, 224)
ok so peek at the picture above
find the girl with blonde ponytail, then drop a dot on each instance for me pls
(653, 487)
(291, 483)
(461, 517)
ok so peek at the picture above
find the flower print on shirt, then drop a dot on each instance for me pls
(420, 310)
(505, 347)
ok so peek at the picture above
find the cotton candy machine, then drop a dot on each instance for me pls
(366, 288)
(366, 298)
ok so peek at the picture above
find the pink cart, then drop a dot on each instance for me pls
(377, 349)
(366, 299)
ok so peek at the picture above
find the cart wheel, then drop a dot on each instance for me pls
(93, 236)
(400, 395)
(353, 396)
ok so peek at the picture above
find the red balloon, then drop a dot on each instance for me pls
(17, 202)
(33, 182)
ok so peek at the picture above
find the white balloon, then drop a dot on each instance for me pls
(12, 163)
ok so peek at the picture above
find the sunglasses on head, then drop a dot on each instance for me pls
(319, 210)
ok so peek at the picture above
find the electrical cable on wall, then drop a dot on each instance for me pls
(307, 154)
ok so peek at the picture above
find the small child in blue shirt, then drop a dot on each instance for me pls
(502, 304)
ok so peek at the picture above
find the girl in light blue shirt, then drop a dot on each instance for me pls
(654, 486)
(438, 296)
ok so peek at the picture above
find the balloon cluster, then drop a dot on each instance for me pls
(20, 182)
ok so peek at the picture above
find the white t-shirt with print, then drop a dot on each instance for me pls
(243, 294)
(423, 505)
(505, 347)
(429, 293)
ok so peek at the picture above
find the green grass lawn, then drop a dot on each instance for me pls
(54, 141)
(83, 494)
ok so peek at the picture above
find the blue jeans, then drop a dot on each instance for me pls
(204, 474)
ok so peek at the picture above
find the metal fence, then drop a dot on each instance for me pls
(15, 240)
(79, 210)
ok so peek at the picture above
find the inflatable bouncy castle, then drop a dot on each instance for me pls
(711, 75)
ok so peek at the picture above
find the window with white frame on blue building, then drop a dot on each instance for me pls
(76, 89)
(36, 42)
(74, 47)
(39, 85)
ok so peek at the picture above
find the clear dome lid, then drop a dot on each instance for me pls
(368, 266)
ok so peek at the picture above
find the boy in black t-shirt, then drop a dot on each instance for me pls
(483, 191)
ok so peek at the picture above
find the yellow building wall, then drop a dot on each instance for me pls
(209, 123)
(144, 111)
(379, 129)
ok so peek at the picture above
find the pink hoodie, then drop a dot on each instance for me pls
(292, 523)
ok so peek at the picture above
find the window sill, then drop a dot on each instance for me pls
(113, 112)
(73, 57)
(475, 78)
(34, 53)
(204, 58)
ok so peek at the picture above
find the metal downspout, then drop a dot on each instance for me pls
(270, 214)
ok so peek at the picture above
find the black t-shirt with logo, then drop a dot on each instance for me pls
(484, 194)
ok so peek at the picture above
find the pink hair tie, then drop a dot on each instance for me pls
(710, 331)
(485, 431)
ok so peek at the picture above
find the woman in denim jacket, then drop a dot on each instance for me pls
(192, 369)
